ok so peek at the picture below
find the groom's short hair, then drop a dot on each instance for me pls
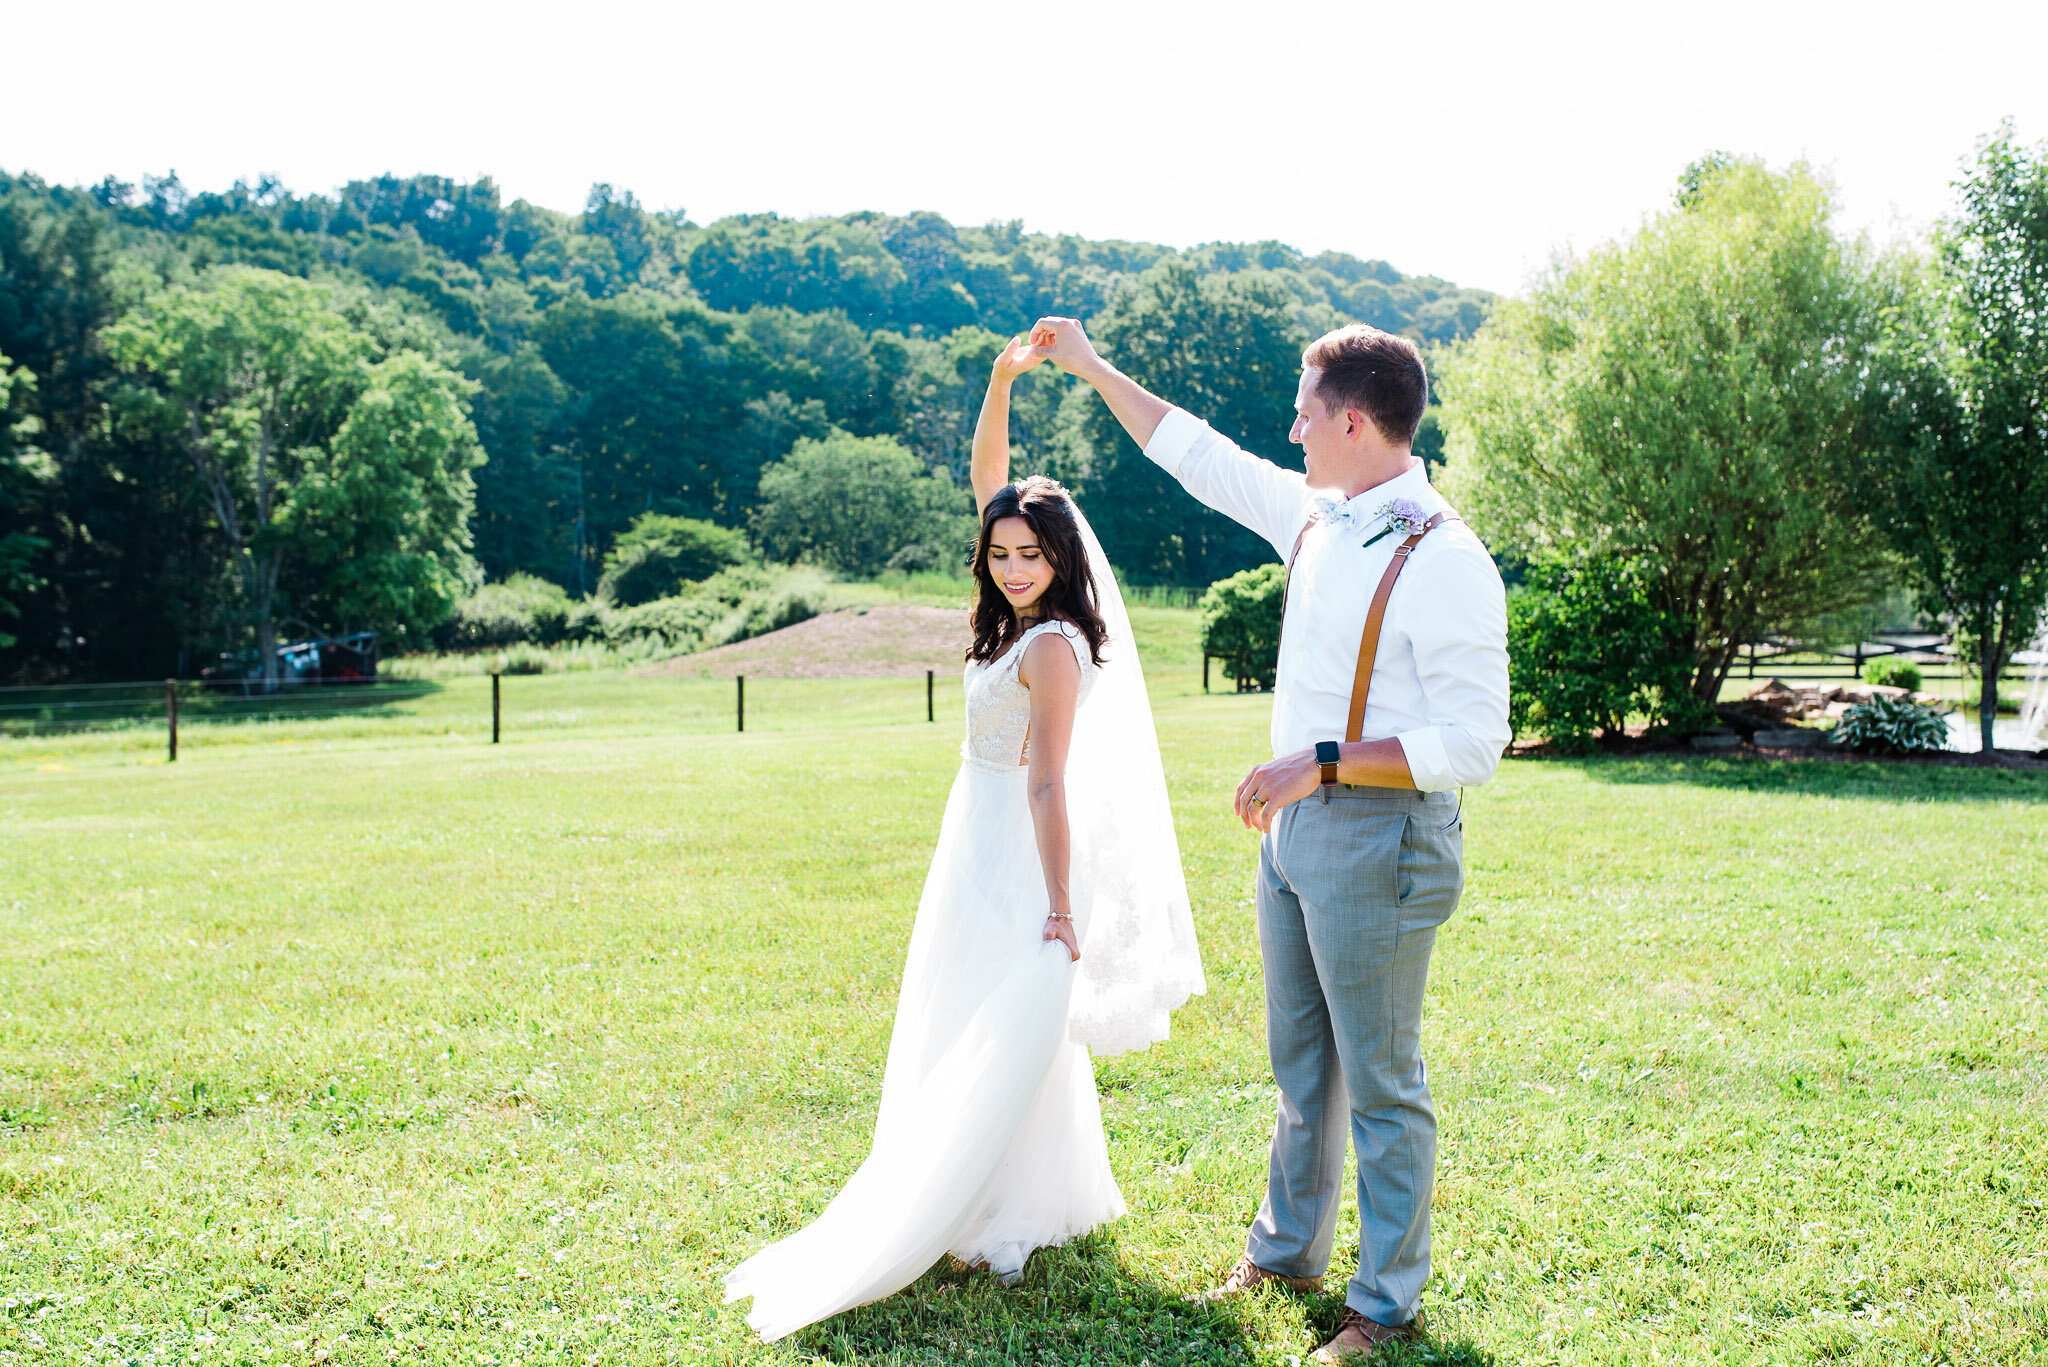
(1375, 372)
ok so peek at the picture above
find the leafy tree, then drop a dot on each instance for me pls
(658, 554)
(381, 513)
(1227, 348)
(774, 424)
(657, 396)
(526, 495)
(618, 219)
(318, 461)
(1959, 478)
(933, 293)
(811, 266)
(938, 395)
(1588, 647)
(466, 221)
(1684, 399)
(852, 503)
(21, 468)
(1241, 623)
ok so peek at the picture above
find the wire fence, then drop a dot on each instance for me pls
(59, 709)
(169, 705)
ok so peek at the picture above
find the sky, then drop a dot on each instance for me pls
(1471, 141)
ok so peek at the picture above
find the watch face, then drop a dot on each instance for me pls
(1326, 752)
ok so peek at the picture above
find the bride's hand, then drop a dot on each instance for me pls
(1061, 928)
(1016, 358)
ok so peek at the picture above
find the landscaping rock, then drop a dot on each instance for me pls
(1741, 723)
(1725, 740)
(1790, 738)
(1775, 702)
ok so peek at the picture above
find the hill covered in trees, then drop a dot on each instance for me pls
(618, 361)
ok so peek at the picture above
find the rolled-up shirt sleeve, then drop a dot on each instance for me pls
(1265, 497)
(1460, 639)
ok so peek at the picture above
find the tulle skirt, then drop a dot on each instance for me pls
(989, 1139)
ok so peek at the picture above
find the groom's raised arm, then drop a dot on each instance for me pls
(1265, 497)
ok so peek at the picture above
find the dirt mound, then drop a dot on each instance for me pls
(893, 642)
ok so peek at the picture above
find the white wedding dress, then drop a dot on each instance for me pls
(989, 1141)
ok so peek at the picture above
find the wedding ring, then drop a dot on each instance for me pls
(1258, 801)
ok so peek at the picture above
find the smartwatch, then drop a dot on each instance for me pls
(1326, 758)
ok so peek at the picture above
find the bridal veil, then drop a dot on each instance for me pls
(1139, 959)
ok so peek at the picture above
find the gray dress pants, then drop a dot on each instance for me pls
(1350, 894)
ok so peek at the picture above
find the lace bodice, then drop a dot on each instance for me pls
(999, 706)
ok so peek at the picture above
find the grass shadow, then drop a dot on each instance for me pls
(1897, 781)
(1080, 1304)
(310, 702)
(30, 712)
(1076, 1304)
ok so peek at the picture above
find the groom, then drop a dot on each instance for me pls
(1392, 694)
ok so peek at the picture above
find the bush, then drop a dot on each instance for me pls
(1885, 726)
(1241, 623)
(935, 557)
(521, 610)
(1893, 673)
(851, 503)
(1587, 649)
(732, 605)
(798, 598)
(658, 554)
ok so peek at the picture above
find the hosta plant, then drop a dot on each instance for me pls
(1891, 726)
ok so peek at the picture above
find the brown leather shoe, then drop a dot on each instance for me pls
(1248, 1274)
(1357, 1339)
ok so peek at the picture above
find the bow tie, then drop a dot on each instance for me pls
(1343, 513)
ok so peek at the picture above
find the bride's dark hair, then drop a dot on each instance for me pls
(1047, 510)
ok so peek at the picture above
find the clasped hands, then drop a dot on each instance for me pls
(1059, 340)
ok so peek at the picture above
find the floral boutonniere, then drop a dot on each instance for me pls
(1403, 516)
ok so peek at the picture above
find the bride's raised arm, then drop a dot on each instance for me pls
(990, 467)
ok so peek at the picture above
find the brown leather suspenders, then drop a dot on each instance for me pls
(1369, 640)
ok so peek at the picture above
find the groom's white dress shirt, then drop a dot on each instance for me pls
(1440, 678)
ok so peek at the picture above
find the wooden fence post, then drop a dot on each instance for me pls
(1205, 671)
(928, 713)
(171, 716)
(741, 680)
(494, 707)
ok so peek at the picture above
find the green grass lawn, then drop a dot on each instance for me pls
(366, 1038)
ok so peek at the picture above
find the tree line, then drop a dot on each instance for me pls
(226, 416)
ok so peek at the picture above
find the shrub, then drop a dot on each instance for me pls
(798, 598)
(1587, 648)
(936, 557)
(658, 554)
(680, 622)
(732, 605)
(521, 610)
(1241, 623)
(1893, 673)
(1891, 726)
(851, 503)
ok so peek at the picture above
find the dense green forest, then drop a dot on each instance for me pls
(613, 363)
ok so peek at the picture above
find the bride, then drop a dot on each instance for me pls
(1054, 920)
